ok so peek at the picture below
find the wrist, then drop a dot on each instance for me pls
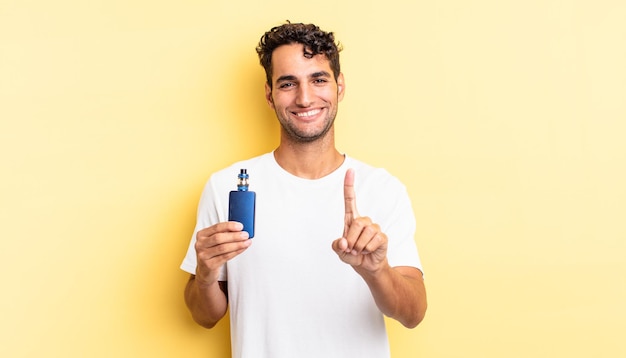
(205, 281)
(204, 285)
(381, 270)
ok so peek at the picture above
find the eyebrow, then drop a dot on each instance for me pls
(320, 74)
(286, 78)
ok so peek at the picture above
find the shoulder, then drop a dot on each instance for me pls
(367, 175)
(256, 164)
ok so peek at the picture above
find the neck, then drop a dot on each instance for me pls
(312, 160)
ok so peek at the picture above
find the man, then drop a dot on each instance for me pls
(317, 277)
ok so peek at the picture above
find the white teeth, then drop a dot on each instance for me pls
(309, 113)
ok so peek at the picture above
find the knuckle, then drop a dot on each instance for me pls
(370, 230)
(203, 243)
(221, 249)
(360, 223)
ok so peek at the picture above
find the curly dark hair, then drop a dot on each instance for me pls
(315, 42)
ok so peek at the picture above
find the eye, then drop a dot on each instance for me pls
(286, 85)
(320, 81)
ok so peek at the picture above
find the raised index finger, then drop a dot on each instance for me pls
(349, 196)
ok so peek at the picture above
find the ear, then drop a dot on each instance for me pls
(268, 96)
(341, 86)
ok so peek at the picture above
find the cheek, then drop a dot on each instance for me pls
(329, 94)
(278, 102)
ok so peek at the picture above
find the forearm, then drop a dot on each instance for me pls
(399, 293)
(207, 304)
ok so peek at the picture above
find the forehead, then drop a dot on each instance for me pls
(290, 60)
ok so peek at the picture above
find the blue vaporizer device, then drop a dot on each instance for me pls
(241, 203)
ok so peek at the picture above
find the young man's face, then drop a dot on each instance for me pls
(305, 94)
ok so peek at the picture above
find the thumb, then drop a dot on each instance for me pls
(340, 246)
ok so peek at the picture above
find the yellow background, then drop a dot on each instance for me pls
(505, 119)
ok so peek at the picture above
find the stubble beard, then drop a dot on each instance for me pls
(302, 136)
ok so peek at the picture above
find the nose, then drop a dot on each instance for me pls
(304, 96)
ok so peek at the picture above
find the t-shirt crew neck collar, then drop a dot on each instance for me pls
(331, 177)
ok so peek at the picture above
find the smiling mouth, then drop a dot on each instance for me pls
(308, 114)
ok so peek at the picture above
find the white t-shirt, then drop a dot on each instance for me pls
(289, 293)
